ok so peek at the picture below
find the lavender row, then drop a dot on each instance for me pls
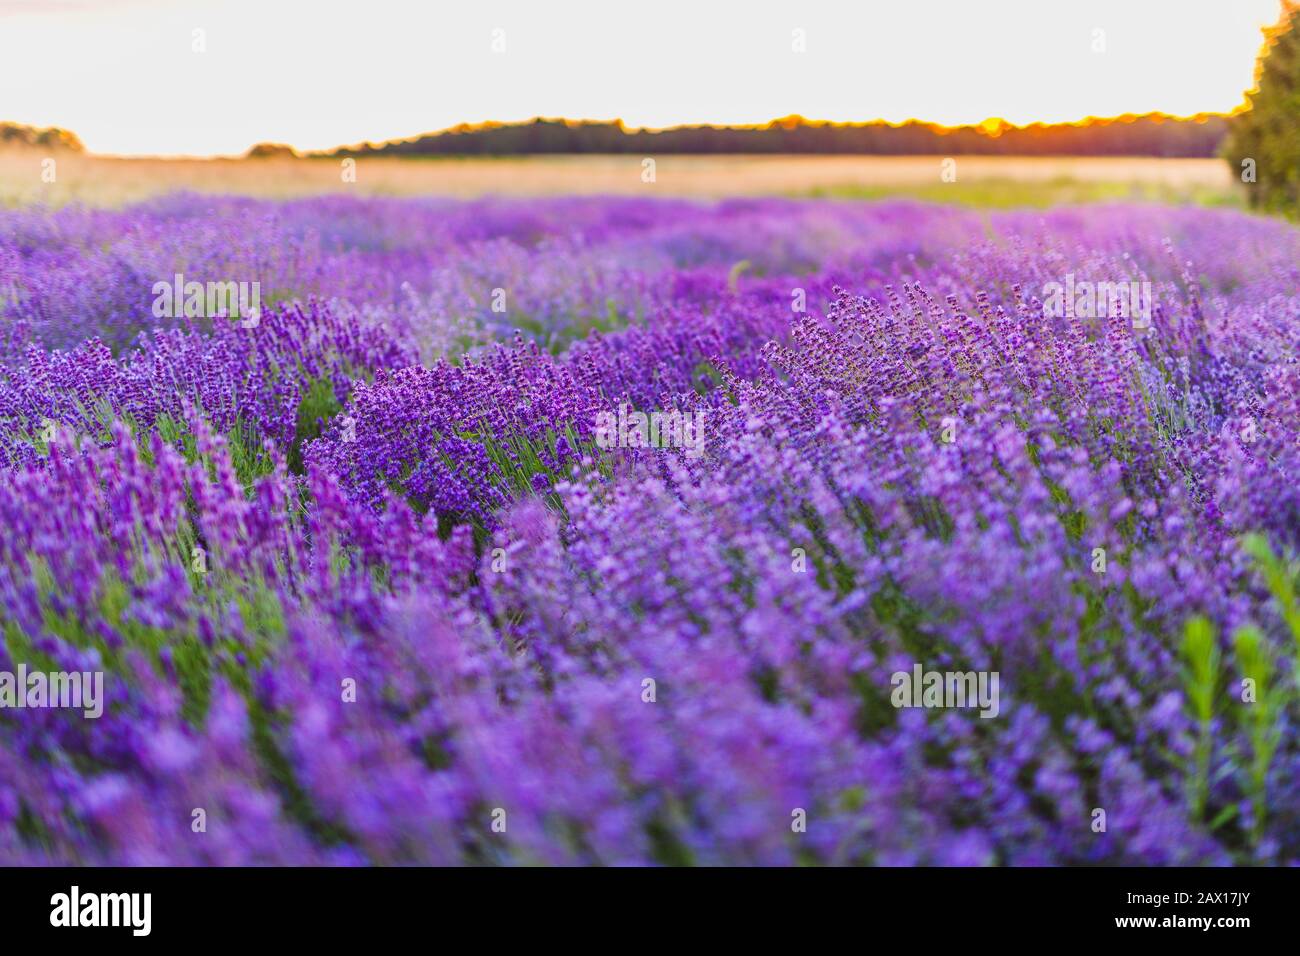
(667, 589)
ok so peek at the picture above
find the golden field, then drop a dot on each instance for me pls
(980, 180)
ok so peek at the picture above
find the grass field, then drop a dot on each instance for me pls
(993, 181)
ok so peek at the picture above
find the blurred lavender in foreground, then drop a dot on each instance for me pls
(367, 587)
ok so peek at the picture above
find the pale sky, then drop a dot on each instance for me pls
(125, 75)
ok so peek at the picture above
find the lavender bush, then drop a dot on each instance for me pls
(369, 583)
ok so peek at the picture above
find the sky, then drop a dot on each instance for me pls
(133, 77)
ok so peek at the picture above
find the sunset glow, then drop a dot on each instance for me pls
(134, 76)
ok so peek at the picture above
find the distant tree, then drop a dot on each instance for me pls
(51, 138)
(271, 150)
(1263, 144)
(1151, 135)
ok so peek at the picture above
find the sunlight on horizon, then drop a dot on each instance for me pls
(133, 76)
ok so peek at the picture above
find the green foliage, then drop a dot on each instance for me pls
(1256, 658)
(1281, 583)
(318, 406)
(1268, 133)
(1261, 700)
(1200, 681)
(557, 335)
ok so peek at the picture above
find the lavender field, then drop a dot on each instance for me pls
(390, 569)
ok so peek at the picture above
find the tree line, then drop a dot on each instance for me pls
(1148, 135)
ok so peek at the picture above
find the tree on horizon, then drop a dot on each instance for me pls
(1263, 143)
